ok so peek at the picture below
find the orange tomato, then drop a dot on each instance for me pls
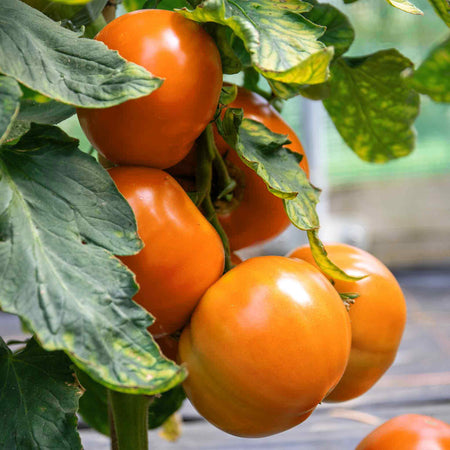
(259, 215)
(408, 432)
(183, 254)
(378, 317)
(264, 346)
(158, 130)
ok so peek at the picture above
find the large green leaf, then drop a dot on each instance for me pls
(10, 94)
(94, 405)
(371, 105)
(406, 6)
(433, 75)
(442, 8)
(57, 63)
(264, 152)
(339, 31)
(61, 219)
(284, 46)
(38, 400)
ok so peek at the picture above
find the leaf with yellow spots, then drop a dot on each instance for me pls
(283, 45)
(433, 75)
(372, 106)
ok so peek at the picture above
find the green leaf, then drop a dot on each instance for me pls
(225, 41)
(284, 46)
(228, 94)
(372, 107)
(339, 31)
(326, 265)
(263, 151)
(10, 94)
(38, 400)
(433, 75)
(53, 61)
(406, 6)
(61, 219)
(164, 405)
(133, 5)
(442, 8)
(51, 112)
(94, 405)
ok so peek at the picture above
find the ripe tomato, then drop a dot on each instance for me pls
(183, 254)
(408, 432)
(378, 317)
(158, 130)
(259, 215)
(265, 345)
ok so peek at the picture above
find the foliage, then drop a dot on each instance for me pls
(62, 220)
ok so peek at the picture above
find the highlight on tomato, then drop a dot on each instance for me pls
(266, 343)
(255, 215)
(158, 130)
(183, 254)
(378, 317)
(408, 432)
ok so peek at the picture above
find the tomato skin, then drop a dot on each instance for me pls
(378, 317)
(260, 216)
(265, 345)
(183, 254)
(408, 432)
(158, 130)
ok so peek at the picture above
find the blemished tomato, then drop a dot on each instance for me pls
(158, 130)
(378, 317)
(264, 346)
(183, 254)
(259, 216)
(408, 432)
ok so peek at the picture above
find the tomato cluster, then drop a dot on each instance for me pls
(269, 340)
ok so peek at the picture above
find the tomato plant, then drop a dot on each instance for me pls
(158, 130)
(378, 317)
(265, 345)
(177, 239)
(408, 432)
(270, 338)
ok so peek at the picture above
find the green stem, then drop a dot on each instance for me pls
(210, 214)
(128, 420)
(206, 153)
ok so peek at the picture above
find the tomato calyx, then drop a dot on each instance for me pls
(231, 196)
(348, 298)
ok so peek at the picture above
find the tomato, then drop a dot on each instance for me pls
(264, 346)
(158, 130)
(378, 317)
(408, 432)
(259, 215)
(183, 254)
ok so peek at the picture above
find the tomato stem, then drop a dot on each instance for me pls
(128, 420)
(206, 153)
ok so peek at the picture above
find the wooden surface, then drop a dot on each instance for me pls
(418, 382)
